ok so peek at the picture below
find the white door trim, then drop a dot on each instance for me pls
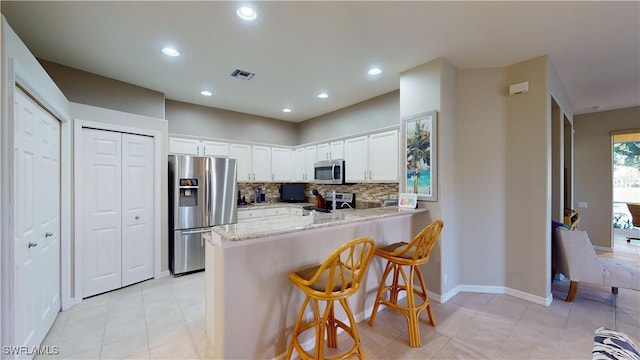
(19, 75)
(157, 193)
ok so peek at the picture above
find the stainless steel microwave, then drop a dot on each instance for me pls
(329, 172)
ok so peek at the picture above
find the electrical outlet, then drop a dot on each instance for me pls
(582, 204)
(444, 280)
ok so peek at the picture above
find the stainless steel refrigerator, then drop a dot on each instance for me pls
(201, 195)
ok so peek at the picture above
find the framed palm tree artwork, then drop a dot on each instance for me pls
(420, 165)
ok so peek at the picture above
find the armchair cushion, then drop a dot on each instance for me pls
(575, 257)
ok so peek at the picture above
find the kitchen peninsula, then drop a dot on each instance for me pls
(251, 306)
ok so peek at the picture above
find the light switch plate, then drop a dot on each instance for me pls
(582, 204)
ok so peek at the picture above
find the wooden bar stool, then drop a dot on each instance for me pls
(410, 255)
(336, 279)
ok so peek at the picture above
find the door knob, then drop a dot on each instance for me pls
(32, 244)
(46, 235)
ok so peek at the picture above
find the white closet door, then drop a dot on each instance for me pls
(101, 213)
(37, 221)
(137, 208)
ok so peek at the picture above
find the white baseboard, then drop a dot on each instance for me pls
(602, 248)
(529, 297)
(507, 291)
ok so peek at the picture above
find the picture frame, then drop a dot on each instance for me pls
(420, 145)
(408, 201)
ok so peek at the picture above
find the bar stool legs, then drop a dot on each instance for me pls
(326, 324)
(412, 311)
(334, 280)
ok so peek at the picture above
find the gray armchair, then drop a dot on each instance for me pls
(575, 258)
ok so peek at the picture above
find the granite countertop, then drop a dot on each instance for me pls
(281, 225)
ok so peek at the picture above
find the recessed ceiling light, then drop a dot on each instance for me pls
(323, 95)
(374, 71)
(170, 51)
(206, 93)
(287, 110)
(246, 13)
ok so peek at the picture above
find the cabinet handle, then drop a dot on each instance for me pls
(365, 174)
(47, 234)
(198, 149)
(32, 244)
(370, 175)
(137, 217)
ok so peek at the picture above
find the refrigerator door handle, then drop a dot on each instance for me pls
(207, 191)
(197, 231)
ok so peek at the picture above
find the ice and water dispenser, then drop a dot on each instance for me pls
(188, 192)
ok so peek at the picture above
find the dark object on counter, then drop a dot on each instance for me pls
(319, 199)
(292, 192)
(310, 208)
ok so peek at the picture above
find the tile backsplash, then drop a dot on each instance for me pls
(367, 195)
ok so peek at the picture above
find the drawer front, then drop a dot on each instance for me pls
(283, 211)
(250, 214)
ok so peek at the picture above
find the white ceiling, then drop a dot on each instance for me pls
(298, 49)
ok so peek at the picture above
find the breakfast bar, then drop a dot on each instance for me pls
(251, 306)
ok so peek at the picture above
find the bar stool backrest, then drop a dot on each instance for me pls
(419, 249)
(340, 274)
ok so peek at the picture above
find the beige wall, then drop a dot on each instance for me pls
(91, 89)
(420, 91)
(481, 162)
(376, 113)
(593, 168)
(528, 184)
(203, 121)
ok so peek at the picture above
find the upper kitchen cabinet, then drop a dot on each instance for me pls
(261, 160)
(330, 151)
(257, 163)
(197, 147)
(304, 160)
(281, 164)
(242, 154)
(372, 158)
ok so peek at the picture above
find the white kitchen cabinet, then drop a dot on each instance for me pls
(383, 156)
(276, 212)
(261, 160)
(215, 148)
(262, 214)
(356, 159)
(197, 147)
(252, 214)
(299, 164)
(330, 151)
(281, 164)
(303, 163)
(372, 158)
(311, 157)
(184, 146)
(244, 164)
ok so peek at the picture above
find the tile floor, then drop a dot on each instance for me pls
(164, 319)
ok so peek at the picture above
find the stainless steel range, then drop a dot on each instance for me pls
(342, 200)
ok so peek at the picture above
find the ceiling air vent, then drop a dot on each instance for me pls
(242, 74)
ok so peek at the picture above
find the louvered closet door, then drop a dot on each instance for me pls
(101, 213)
